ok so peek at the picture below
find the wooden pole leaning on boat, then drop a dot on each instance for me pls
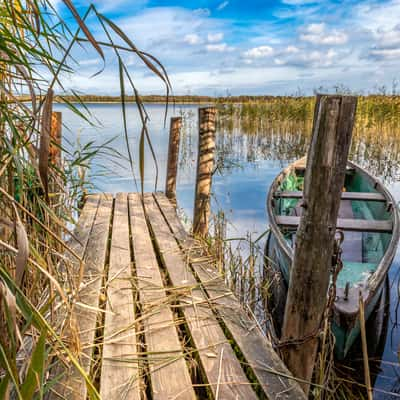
(312, 263)
(173, 157)
(205, 165)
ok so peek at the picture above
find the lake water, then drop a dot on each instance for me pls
(248, 162)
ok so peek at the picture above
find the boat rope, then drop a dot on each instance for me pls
(337, 266)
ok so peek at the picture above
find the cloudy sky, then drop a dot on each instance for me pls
(216, 47)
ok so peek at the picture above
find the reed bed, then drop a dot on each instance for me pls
(40, 195)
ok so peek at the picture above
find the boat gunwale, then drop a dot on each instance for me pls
(373, 283)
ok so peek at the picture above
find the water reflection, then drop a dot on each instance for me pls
(252, 148)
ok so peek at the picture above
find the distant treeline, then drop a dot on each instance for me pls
(158, 99)
(189, 99)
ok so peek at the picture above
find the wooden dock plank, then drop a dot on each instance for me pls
(73, 386)
(169, 374)
(79, 244)
(120, 368)
(358, 225)
(363, 196)
(220, 364)
(84, 226)
(271, 373)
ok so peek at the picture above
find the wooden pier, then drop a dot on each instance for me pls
(154, 318)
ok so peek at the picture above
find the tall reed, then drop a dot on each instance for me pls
(38, 198)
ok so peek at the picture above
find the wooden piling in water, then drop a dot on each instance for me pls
(173, 157)
(56, 182)
(312, 263)
(56, 138)
(205, 165)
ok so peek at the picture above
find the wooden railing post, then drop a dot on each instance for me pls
(205, 165)
(173, 157)
(310, 274)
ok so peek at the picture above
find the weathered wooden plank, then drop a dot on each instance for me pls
(169, 374)
(362, 196)
(78, 244)
(222, 368)
(84, 316)
(352, 245)
(270, 371)
(346, 224)
(84, 228)
(120, 368)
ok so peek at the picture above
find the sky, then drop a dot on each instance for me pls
(233, 47)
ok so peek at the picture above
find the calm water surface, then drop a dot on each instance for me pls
(248, 164)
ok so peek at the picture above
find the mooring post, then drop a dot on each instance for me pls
(173, 157)
(55, 135)
(56, 183)
(205, 165)
(312, 263)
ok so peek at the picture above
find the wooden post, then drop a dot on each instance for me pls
(55, 134)
(205, 165)
(173, 157)
(312, 263)
(56, 182)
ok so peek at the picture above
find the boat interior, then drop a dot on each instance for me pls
(365, 220)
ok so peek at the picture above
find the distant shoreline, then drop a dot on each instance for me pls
(181, 100)
(155, 99)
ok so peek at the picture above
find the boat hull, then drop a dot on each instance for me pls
(366, 262)
(278, 268)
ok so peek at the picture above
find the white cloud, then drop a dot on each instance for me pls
(377, 15)
(192, 39)
(259, 52)
(317, 34)
(219, 48)
(291, 49)
(202, 12)
(222, 5)
(385, 54)
(388, 38)
(215, 37)
(305, 57)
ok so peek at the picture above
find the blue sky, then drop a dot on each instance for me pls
(250, 47)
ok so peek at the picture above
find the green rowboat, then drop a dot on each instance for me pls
(369, 221)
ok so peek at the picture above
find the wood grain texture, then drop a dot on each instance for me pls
(120, 368)
(271, 373)
(222, 368)
(78, 245)
(169, 374)
(312, 261)
(173, 157)
(205, 166)
(84, 317)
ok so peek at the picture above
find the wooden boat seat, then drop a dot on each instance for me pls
(302, 168)
(352, 248)
(362, 196)
(346, 224)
